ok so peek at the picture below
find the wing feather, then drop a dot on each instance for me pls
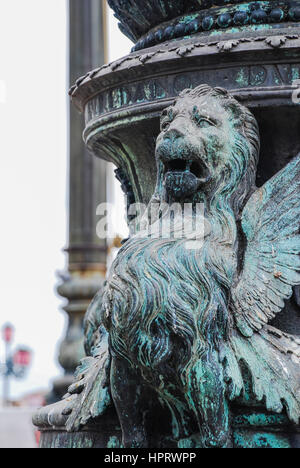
(273, 370)
(271, 223)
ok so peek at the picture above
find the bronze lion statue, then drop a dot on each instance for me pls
(188, 328)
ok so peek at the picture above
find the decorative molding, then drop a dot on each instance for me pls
(149, 22)
(248, 16)
(186, 49)
(226, 46)
(183, 51)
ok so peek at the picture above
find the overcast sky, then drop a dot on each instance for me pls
(33, 178)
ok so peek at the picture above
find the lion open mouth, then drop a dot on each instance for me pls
(180, 165)
(184, 177)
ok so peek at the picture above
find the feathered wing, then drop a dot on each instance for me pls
(91, 385)
(271, 224)
(264, 369)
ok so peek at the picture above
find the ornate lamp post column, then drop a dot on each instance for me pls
(87, 188)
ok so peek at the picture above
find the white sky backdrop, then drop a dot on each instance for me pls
(33, 175)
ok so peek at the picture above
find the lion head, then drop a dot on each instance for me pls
(208, 143)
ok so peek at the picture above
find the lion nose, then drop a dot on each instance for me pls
(173, 134)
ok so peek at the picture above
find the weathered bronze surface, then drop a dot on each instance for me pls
(207, 338)
(185, 328)
(123, 100)
(149, 22)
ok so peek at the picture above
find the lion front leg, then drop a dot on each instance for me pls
(130, 398)
(207, 395)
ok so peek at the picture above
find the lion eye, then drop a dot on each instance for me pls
(202, 122)
(165, 125)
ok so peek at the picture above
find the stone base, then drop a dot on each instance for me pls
(90, 439)
(252, 429)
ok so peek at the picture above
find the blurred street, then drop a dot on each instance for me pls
(16, 430)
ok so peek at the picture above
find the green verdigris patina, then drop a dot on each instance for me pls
(183, 322)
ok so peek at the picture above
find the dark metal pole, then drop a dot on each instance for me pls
(87, 189)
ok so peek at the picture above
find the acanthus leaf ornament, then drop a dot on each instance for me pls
(276, 41)
(226, 46)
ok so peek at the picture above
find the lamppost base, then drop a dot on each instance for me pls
(251, 429)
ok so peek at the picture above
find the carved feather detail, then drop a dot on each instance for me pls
(272, 260)
(91, 385)
(90, 394)
(271, 360)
